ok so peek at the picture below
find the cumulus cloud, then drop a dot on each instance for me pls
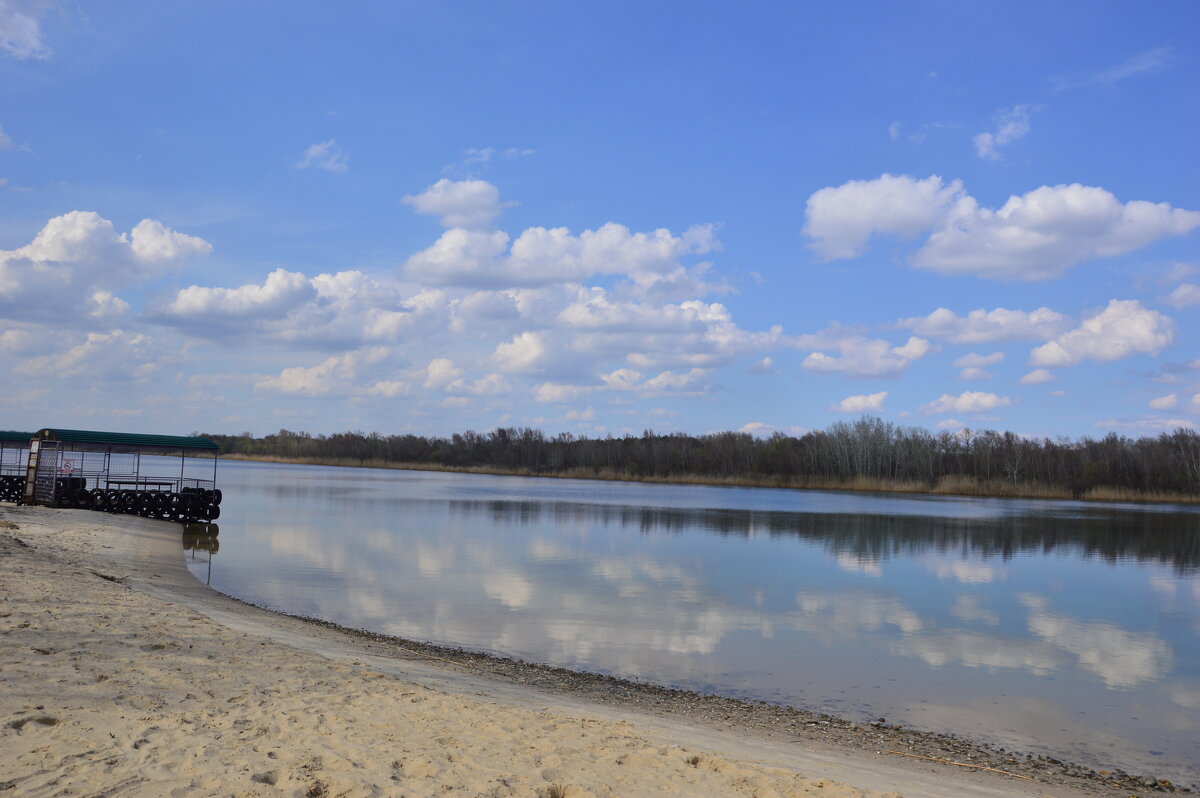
(1045, 232)
(840, 219)
(1123, 328)
(441, 372)
(343, 310)
(863, 357)
(523, 354)
(325, 155)
(1035, 236)
(488, 385)
(78, 254)
(985, 326)
(863, 403)
(460, 203)
(1185, 295)
(966, 402)
(1168, 402)
(1011, 125)
(974, 360)
(281, 292)
(766, 366)
(113, 356)
(1152, 425)
(541, 256)
(20, 30)
(972, 365)
(334, 375)
(1037, 377)
(625, 380)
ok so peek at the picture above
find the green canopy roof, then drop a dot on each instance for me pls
(9, 435)
(127, 439)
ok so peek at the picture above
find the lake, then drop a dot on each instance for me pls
(1065, 628)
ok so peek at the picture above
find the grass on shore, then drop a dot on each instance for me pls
(948, 486)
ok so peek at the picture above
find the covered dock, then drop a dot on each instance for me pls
(155, 476)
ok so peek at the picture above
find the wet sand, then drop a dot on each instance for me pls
(120, 674)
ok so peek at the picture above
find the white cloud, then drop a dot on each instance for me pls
(151, 241)
(863, 403)
(6, 143)
(117, 355)
(334, 375)
(840, 219)
(966, 402)
(587, 414)
(1035, 236)
(460, 203)
(692, 381)
(489, 385)
(280, 293)
(1011, 125)
(461, 257)
(325, 155)
(1045, 232)
(894, 130)
(106, 306)
(863, 357)
(1037, 377)
(1168, 402)
(1121, 329)
(972, 365)
(558, 393)
(985, 326)
(441, 372)
(78, 254)
(522, 355)
(764, 366)
(974, 360)
(1185, 295)
(541, 256)
(1147, 424)
(20, 30)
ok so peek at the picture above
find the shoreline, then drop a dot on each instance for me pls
(144, 557)
(961, 487)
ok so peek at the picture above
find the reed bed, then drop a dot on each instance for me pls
(947, 486)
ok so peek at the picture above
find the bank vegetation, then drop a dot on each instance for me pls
(868, 454)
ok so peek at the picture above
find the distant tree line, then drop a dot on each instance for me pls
(846, 453)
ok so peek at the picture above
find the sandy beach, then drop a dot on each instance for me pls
(120, 674)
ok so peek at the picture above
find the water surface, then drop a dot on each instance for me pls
(1057, 627)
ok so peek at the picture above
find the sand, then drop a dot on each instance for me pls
(120, 674)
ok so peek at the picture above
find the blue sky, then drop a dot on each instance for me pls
(599, 217)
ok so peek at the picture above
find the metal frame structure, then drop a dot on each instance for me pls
(104, 471)
(14, 454)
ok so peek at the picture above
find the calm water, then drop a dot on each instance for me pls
(1057, 627)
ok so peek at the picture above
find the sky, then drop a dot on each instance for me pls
(599, 218)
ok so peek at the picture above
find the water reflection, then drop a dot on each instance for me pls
(864, 539)
(912, 615)
(202, 537)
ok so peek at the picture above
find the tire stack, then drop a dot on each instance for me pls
(188, 506)
(72, 492)
(11, 487)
